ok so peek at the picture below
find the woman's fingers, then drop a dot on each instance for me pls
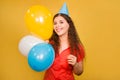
(72, 59)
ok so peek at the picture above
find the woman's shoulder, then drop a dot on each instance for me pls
(81, 47)
(81, 53)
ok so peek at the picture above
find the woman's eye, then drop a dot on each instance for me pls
(61, 22)
(55, 23)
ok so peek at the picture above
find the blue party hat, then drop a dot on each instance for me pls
(64, 9)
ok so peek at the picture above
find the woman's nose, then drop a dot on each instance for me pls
(57, 25)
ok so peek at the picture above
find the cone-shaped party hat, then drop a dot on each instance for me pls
(64, 9)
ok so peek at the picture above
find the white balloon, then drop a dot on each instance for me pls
(27, 42)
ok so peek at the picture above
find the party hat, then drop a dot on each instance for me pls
(64, 9)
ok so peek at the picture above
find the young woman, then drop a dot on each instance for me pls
(69, 51)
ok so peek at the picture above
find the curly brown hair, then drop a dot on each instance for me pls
(73, 38)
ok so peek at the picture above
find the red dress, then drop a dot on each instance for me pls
(60, 69)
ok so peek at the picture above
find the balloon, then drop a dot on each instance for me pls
(39, 21)
(41, 57)
(27, 42)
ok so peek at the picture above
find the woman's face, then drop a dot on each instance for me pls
(61, 26)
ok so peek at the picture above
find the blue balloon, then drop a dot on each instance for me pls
(41, 57)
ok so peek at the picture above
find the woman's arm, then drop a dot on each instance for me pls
(78, 68)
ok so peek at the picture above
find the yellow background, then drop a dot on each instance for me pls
(98, 25)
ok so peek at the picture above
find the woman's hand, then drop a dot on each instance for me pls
(47, 41)
(77, 66)
(72, 59)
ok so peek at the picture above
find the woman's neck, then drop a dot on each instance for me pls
(63, 39)
(64, 44)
